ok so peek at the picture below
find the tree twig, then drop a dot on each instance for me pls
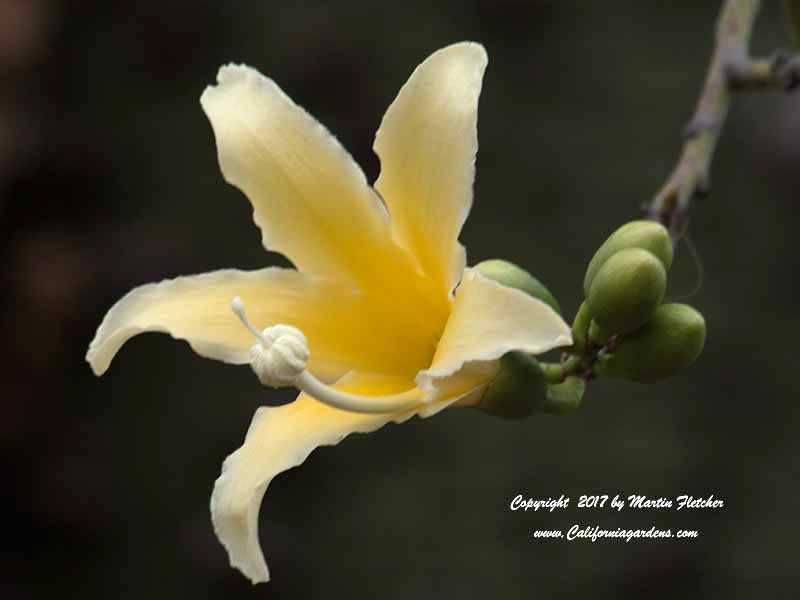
(731, 69)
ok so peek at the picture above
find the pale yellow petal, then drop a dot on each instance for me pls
(310, 199)
(427, 144)
(280, 438)
(346, 328)
(488, 320)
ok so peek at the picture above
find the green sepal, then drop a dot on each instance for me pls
(517, 390)
(671, 341)
(564, 397)
(509, 274)
(626, 290)
(647, 235)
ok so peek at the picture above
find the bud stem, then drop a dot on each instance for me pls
(558, 372)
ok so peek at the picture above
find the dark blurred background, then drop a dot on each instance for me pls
(109, 179)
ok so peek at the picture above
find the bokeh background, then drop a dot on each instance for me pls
(108, 180)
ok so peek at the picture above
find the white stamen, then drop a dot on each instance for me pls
(355, 403)
(279, 359)
(281, 353)
(238, 309)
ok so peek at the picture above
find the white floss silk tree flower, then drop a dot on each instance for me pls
(381, 320)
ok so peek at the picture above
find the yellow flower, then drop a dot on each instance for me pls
(381, 304)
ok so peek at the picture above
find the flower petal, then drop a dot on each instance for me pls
(427, 144)
(488, 320)
(346, 329)
(310, 199)
(280, 438)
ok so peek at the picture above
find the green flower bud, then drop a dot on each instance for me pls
(580, 326)
(517, 390)
(564, 397)
(597, 335)
(516, 277)
(672, 340)
(647, 235)
(626, 291)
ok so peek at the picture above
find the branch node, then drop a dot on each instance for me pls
(731, 68)
(779, 71)
(786, 70)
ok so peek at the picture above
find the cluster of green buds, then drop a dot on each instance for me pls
(622, 329)
(640, 338)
